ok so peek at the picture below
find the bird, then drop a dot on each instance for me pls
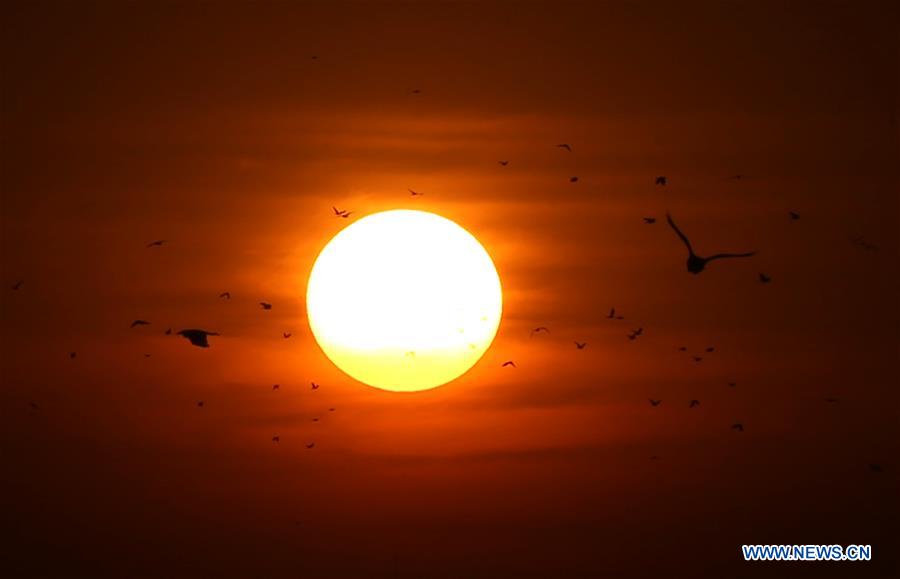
(340, 212)
(573, 179)
(655, 403)
(331, 410)
(565, 146)
(710, 349)
(416, 91)
(697, 358)
(682, 348)
(200, 404)
(508, 363)
(793, 215)
(33, 406)
(415, 193)
(649, 220)
(738, 177)
(831, 400)
(634, 335)
(168, 331)
(654, 457)
(72, 355)
(18, 284)
(612, 315)
(198, 338)
(314, 386)
(538, 330)
(225, 295)
(737, 426)
(276, 439)
(139, 323)
(157, 243)
(662, 180)
(732, 384)
(503, 163)
(315, 419)
(695, 263)
(693, 403)
(146, 355)
(276, 386)
(310, 445)
(861, 241)
(763, 278)
(265, 305)
(876, 468)
(286, 335)
(580, 345)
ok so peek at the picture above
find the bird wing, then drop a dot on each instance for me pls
(683, 237)
(724, 255)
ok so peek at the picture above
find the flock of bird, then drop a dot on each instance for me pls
(695, 264)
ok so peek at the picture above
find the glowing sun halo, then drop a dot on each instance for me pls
(404, 300)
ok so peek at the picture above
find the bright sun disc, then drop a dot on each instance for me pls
(404, 300)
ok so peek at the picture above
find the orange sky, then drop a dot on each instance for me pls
(212, 126)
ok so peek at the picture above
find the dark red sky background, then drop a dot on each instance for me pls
(211, 126)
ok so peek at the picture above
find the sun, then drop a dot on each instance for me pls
(404, 300)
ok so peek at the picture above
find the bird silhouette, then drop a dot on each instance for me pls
(314, 386)
(538, 330)
(416, 91)
(72, 355)
(18, 284)
(580, 345)
(276, 386)
(710, 349)
(695, 263)
(693, 403)
(198, 338)
(504, 163)
(612, 315)
(831, 400)
(310, 445)
(415, 193)
(139, 323)
(225, 295)
(157, 243)
(649, 220)
(682, 348)
(565, 146)
(508, 363)
(276, 439)
(876, 468)
(265, 305)
(200, 404)
(635, 334)
(662, 180)
(331, 410)
(168, 331)
(655, 403)
(861, 241)
(573, 179)
(315, 419)
(793, 215)
(763, 278)
(732, 384)
(737, 426)
(697, 358)
(286, 335)
(738, 177)
(341, 212)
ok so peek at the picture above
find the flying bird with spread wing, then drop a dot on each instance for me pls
(693, 403)
(737, 426)
(573, 179)
(538, 330)
(286, 335)
(613, 316)
(199, 338)
(763, 278)
(635, 334)
(18, 284)
(580, 345)
(649, 220)
(662, 180)
(565, 146)
(341, 212)
(503, 163)
(696, 263)
(225, 295)
(139, 323)
(508, 364)
(655, 403)
(414, 193)
(314, 385)
(157, 243)
(265, 305)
